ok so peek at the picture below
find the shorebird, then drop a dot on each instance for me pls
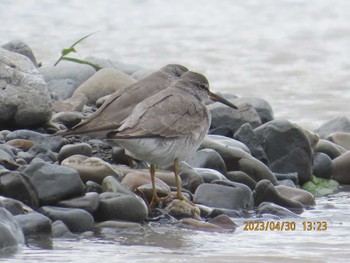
(121, 103)
(169, 126)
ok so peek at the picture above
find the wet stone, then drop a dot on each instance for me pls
(73, 149)
(274, 209)
(34, 224)
(89, 202)
(47, 177)
(208, 158)
(322, 166)
(77, 220)
(60, 230)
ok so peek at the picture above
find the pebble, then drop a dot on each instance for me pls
(34, 224)
(88, 202)
(208, 158)
(182, 209)
(340, 138)
(74, 149)
(322, 166)
(11, 233)
(277, 210)
(60, 230)
(68, 119)
(104, 82)
(341, 168)
(190, 179)
(77, 220)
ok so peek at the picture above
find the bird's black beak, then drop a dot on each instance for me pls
(215, 97)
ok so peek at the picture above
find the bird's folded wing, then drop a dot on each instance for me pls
(166, 115)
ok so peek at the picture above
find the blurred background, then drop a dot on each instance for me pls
(293, 53)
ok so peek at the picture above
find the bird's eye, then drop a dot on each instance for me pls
(202, 86)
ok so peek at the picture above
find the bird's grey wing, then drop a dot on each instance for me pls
(168, 115)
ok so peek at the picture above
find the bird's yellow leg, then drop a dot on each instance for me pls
(155, 198)
(179, 194)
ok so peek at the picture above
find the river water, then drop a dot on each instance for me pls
(293, 53)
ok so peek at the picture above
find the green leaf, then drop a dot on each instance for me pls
(80, 61)
(81, 39)
(320, 186)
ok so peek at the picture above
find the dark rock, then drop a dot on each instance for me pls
(223, 221)
(119, 156)
(338, 124)
(14, 185)
(237, 159)
(296, 194)
(287, 148)
(236, 197)
(262, 107)
(287, 176)
(277, 210)
(73, 149)
(93, 187)
(54, 182)
(14, 206)
(246, 135)
(209, 175)
(34, 224)
(117, 206)
(77, 220)
(241, 177)
(89, 202)
(22, 48)
(266, 192)
(208, 158)
(331, 149)
(189, 177)
(11, 233)
(25, 100)
(222, 116)
(322, 166)
(60, 230)
(53, 143)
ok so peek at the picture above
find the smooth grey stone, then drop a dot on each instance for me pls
(341, 168)
(54, 143)
(77, 220)
(290, 176)
(61, 89)
(54, 182)
(117, 206)
(11, 233)
(287, 148)
(338, 124)
(223, 221)
(68, 70)
(7, 160)
(209, 175)
(227, 142)
(73, 149)
(89, 202)
(25, 100)
(246, 135)
(34, 224)
(14, 185)
(104, 82)
(14, 206)
(208, 158)
(111, 184)
(322, 166)
(92, 186)
(60, 230)
(262, 107)
(265, 191)
(43, 152)
(222, 211)
(241, 177)
(340, 138)
(142, 74)
(119, 156)
(331, 149)
(111, 63)
(223, 116)
(277, 210)
(189, 177)
(236, 196)
(287, 182)
(237, 159)
(68, 119)
(22, 48)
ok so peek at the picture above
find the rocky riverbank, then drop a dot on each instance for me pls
(251, 165)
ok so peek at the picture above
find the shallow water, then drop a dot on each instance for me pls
(295, 54)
